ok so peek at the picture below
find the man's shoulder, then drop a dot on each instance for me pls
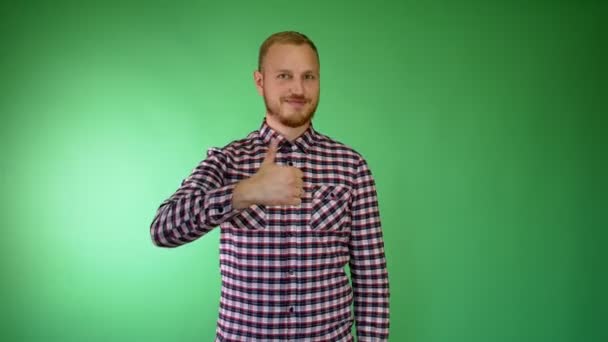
(326, 144)
(251, 144)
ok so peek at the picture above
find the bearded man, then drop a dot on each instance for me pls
(294, 208)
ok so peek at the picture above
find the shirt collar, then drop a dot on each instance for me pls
(304, 142)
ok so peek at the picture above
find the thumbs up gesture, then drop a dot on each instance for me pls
(272, 184)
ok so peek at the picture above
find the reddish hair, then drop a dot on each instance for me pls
(285, 37)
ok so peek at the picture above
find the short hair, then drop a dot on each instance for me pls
(285, 37)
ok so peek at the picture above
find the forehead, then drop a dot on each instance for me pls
(290, 57)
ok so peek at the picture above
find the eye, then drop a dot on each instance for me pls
(309, 77)
(283, 76)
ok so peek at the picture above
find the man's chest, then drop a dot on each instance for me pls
(329, 185)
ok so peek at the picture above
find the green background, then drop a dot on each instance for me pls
(483, 123)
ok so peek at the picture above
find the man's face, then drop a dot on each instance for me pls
(289, 83)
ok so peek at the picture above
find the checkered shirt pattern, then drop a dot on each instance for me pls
(283, 267)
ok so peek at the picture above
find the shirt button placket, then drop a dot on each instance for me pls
(290, 273)
(291, 280)
(294, 149)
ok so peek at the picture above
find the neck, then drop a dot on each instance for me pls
(290, 133)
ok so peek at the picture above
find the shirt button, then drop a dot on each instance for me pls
(291, 272)
(220, 210)
(291, 309)
(290, 163)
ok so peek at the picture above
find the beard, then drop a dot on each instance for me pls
(297, 117)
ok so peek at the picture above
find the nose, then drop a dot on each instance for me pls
(297, 88)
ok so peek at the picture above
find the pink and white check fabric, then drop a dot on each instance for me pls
(282, 267)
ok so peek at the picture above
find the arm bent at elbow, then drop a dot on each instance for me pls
(201, 203)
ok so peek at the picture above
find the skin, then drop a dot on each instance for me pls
(289, 83)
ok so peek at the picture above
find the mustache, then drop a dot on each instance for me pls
(295, 98)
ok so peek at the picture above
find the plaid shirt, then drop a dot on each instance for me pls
(282, 267)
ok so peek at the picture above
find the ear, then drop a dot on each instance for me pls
(258, 79)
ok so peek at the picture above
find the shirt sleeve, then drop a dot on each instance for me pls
(201, 203)
(367, 261)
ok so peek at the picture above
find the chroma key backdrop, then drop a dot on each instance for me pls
(483, 122)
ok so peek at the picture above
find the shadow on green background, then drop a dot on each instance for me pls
(483, 124)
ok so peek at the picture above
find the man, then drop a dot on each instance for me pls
(294, 207)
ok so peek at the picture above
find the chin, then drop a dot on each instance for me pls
(296, 120)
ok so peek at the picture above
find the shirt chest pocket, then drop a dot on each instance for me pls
(330, 207)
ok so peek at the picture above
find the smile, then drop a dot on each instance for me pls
(297, 103)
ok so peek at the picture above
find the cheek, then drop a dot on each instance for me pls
(313, 88)
(274, 91)
(313, 93)
(271, 92)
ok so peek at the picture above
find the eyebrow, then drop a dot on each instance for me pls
(290, 72)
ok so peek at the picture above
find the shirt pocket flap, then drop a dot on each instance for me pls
(331, 192)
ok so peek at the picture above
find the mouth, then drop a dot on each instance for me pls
(296, 102)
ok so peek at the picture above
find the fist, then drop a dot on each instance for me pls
(272, 184)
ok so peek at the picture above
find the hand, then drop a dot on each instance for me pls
(272, 184)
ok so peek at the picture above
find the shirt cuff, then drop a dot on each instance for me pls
(218, 205)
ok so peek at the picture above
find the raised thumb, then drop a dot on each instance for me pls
(271, 153)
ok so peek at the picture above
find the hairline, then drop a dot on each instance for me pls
(285, 38)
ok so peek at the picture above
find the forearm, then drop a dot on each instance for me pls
(186, 217)
(371, 297)
(202, 202)
(370, 280)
